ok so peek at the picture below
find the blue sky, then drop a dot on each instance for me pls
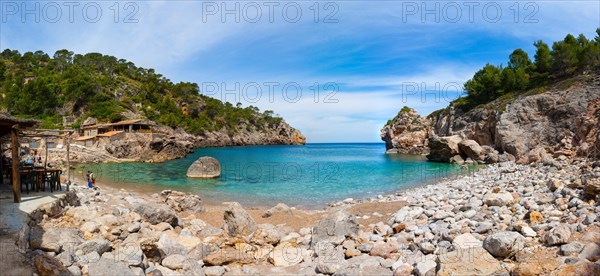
(376, 55)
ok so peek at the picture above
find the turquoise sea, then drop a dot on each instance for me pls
(306, 176)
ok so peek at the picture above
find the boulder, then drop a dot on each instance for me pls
(591, 252)
(96, 245)
(174, 262)
(334, 228)
(591, 186)
(286, 254)
(47, 265)
(182, 202)
(504, 244)
(466, 241)
(571, 249)
(106, 266)
(279, 208)
(468, 261)
(204, 167)
(557, 236)
(554, 184)
(53, 239)
(214, 270)
(157, 213)
(471, 149)
(498, 199)
(426, 267)
(237, 221)
(441, 149)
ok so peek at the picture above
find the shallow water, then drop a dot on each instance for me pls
(305, 176)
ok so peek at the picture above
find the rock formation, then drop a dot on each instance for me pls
(564, 120)
(406, 133)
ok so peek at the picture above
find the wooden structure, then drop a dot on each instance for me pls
(10, 126)
(128, 126)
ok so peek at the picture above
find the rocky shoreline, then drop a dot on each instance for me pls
(505, 218)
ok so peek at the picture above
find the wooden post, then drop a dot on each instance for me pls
(16, 176)
(46, 161)
(1, 163)
(68, 140)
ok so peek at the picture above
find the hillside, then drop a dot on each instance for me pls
(35, 85)
(552, 111)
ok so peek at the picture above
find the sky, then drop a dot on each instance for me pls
(335, 70)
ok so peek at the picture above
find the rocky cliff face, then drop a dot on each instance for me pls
(281, 134)
(561, 121)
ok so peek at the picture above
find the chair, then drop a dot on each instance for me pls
(28, 179)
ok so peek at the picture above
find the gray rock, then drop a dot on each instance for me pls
(204, 167)
(238, 221)
(528, 232)
(558, 235)
(328, 267)
(589, 219)
(483, 227)
(105, 266)
(571, 249)
(134, 227)
(53, 239)
(591, 252)
(182, 202)
(365, 247)
(157, 213)
(426, 268)
(174, 262)
(279, 208)
(75, 270)
(504, 244)
(214, 270)
(427, 247)
(471, 148)
(90, 226)
(96, 245)
(441, 149)
(334, 228)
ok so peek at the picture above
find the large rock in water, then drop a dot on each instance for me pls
(238, 221)
(204, 167)
(441, 149)
(406, 134)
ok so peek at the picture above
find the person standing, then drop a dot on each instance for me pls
(88, 178)
(93, 180)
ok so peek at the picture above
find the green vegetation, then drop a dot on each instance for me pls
(35, 85)
(566, 59)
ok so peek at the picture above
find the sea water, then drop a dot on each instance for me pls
(307, 176)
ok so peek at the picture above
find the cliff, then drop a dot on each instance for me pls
(561, 119)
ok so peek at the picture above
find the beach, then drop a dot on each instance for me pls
(518, 219)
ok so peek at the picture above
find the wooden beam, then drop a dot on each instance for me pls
(16, 176)
(68, 140)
